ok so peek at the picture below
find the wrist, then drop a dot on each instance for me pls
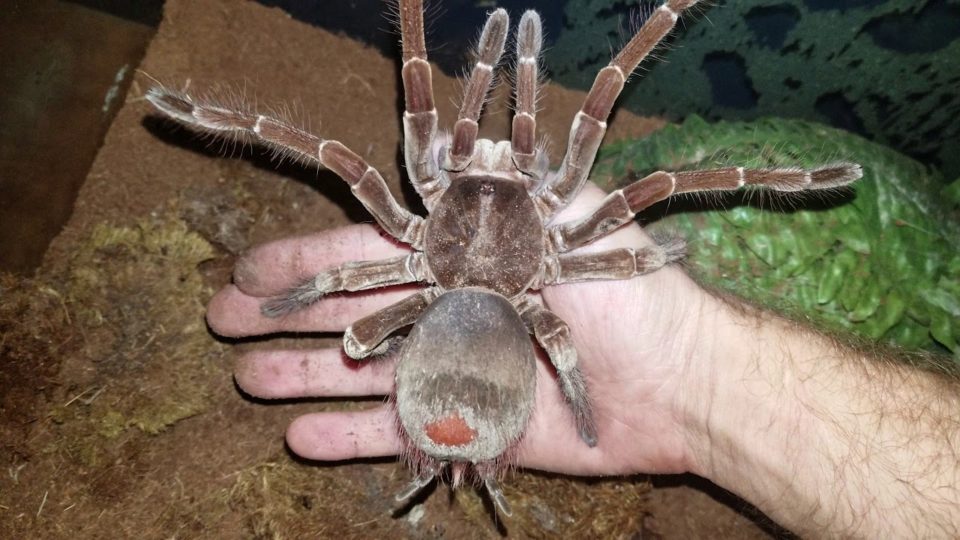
(702, 395)
(748, 426)
(738, 407)
(824, 440)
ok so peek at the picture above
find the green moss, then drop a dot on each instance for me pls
(112, 424)
(135, 296)
(882, 260)
(887, 69)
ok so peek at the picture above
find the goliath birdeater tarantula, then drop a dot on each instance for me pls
(465, 380)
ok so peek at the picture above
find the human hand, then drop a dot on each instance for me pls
(638, 343)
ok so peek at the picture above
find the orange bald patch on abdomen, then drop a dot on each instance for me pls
(450, 431)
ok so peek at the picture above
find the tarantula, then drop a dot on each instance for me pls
(465, 380)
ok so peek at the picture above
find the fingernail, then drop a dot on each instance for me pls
(244, 273)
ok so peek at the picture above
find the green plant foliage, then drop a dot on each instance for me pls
(888, 69)
(881, 259)
(135, 296)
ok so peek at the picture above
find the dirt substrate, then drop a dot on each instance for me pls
(119, 414)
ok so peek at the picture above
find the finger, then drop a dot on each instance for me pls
(271, 268)
(322, 373)
(231, 313)
(345, 435)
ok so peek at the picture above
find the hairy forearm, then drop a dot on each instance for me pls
(825, 438)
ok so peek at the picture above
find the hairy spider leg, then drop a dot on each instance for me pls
(553, 334)
(489, 50)
(523, 132)
(364, 337)
(365, 182)
(496, 494)
(422, 480)
(350, 276)
(613, 264)
(590, 123)
(430, 472)
(420, 114)
(622, 205)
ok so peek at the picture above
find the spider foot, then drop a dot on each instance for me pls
(172, 103)
(417, 484)
(496, 495)
(388, 348)
(674, 247)
(354, 349)
(575, 390)
(299, 297)
(588, 433)
(583, 419)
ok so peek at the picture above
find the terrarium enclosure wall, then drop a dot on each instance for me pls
(118, 411)
(883, 69)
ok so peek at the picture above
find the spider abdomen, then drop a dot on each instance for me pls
(466, 378)
(485, 232)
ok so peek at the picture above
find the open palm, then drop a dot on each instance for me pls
(635, 340)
